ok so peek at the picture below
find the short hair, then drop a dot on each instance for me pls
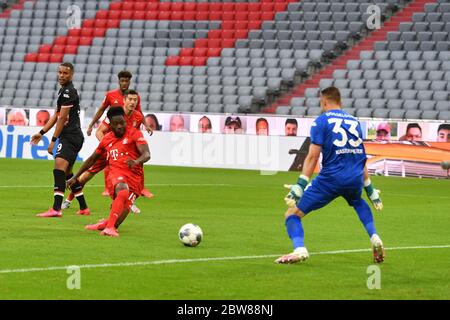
(413, 125)
(67, 65)
(130, 91)
(125, 74)
(291, 121)
(114, 112)
(261, 119)
(444, 126)
(332, 94)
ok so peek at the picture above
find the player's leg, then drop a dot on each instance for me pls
(107, 182)
(59, 179)
(315, 197)
(120, 203)
(365, 216)
(77, 190)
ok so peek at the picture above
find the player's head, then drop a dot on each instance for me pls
(42, 117)
(152, 121)
(17, 117)
(117, 122)
(413, 132)
(290, 127)
(330, 98)
(131, 99)
(204, 125)
(383, 132)
(262, 127)
(65, 73)
(176, 123)
(443, 133)
(233, 125)
(124, 79)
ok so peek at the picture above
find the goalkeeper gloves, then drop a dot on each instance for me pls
(296, 191)
(373, 194)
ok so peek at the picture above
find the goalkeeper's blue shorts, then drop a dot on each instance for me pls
(323, 190)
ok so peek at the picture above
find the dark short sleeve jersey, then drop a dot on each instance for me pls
(68, 98)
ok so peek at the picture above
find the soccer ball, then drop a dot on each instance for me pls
(190, 235)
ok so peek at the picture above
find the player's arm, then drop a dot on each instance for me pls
(84, 167)
(62, 118)
(97, 116)
(101, 131)
(38, 136)
(296, 190)
(144, 152)
(372, 193)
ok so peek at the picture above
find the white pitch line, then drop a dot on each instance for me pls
(153, 184)
(158, 262)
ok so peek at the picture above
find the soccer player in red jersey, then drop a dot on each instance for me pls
(116, 98)
(126, 151)
(133, 119)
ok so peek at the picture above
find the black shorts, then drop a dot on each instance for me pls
(68, 147)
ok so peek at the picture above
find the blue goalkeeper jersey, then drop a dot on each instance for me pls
(343, 154)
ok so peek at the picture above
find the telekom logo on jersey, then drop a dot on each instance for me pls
(114, 154)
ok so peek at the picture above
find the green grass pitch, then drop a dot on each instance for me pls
(241, 214)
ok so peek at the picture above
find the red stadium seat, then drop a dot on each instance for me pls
(255, 24)
(113, 24)
(227, 6)
(151, 15)
(88, 23)
(100, 23)
(228, 43)
(177, 6)
(241, 24)
(241, 34)
(74, 32)
(203, 6)
(256, 15)
(101, 14)
(152, 6)
(114, 15)
(139, 15)
(253, 7)
(268, 6)
(228, 15)
(227, 24)
(177, 15)
(201, 43)
(200, 52)
(43, 57)
(56, 58)
(165, 6)
(58, 49)
(185, 61)
(128, 5)
(202, 15)
(186, 52)
(73, 41)
(228, 34)
(268, 15)
(215, 15)
(85, 41)
(45, 48)
(127, 15)
(214, 52)
(214, 34)
(140, 6)
(86, 32)
(241, 15)
(190, 6)
(189, 15)
(99, 32)
(241, 7)
(62, 40)
(280, 6)
(115, 6)
(164, 15)
(214, 43)
(71, 50)
(172, 61)
(199, 61)
(31, 57)
(215, 6)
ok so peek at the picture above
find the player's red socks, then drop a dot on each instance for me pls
(118, 205)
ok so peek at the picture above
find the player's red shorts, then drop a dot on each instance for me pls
(99, 165)
(133, 181)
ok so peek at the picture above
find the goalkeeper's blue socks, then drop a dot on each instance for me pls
(295, 231)
(365, 216)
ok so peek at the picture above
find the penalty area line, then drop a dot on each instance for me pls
(173, 261)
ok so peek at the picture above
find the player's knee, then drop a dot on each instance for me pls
(122, 191)
(294, 212)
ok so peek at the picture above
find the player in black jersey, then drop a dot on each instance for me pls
(70, 140)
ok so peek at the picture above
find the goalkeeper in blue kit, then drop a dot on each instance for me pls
(338, 136)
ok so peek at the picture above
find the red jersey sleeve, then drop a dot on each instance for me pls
(105, 103)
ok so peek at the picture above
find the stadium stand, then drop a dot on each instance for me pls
(233, 56)
(405, 76)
